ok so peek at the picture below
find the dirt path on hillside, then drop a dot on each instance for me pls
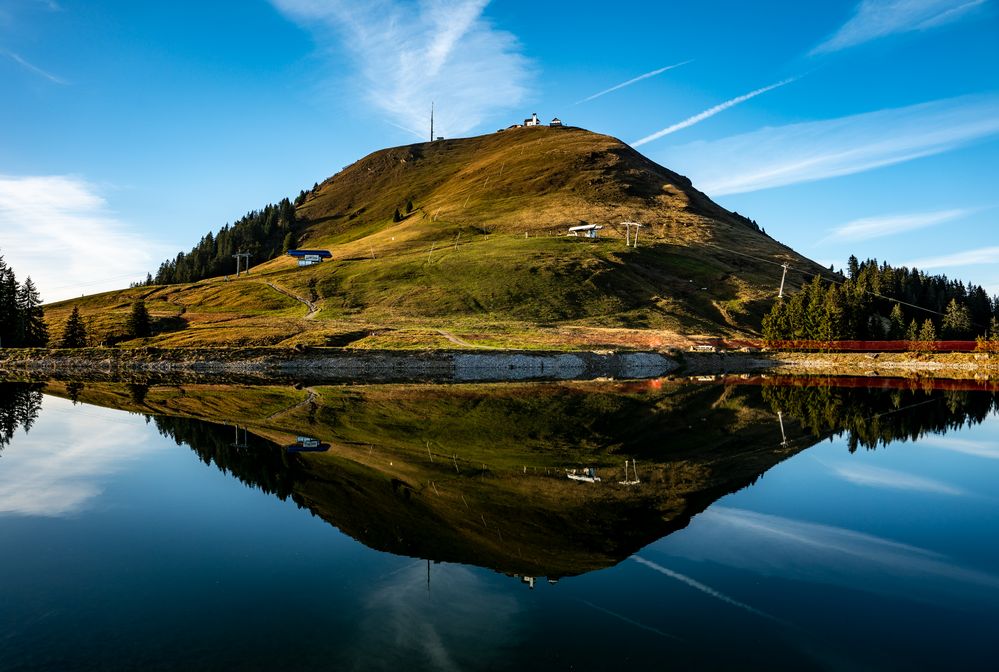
(311, 398)
(462, 342)
(313, 308)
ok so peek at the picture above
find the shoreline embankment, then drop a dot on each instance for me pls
(356, 365)
(339, 365)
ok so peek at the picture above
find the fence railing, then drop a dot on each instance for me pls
(859, 346)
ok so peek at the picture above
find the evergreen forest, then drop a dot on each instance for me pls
(264, 234)
(879, 302)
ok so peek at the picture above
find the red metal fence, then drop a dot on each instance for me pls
(861, 346)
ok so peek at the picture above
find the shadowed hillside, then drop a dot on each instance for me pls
(469, 236)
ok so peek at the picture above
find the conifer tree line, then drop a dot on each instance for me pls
(265, 234)
(852, 310)
(22, 319)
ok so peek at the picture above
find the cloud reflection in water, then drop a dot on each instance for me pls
(798, 550)
(451, 625)
(877, 477)
(64, 462)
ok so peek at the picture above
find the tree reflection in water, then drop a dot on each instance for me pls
(19, 407)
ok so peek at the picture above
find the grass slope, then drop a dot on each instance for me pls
(484, 255)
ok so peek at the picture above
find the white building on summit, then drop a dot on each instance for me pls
(533, 121)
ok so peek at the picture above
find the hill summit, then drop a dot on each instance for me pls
(467, 241)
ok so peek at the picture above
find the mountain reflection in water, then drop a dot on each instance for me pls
(478, 474)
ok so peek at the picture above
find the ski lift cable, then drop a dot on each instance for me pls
(833, 280)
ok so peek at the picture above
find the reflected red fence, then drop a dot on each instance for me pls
(868, 382)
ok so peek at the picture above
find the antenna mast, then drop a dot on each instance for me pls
(431, 121)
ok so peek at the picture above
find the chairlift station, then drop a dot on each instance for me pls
(310, 257)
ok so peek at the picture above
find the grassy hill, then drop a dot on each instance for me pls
(483, 257)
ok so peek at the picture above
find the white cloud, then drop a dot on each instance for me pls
(876, 477)
(887, 225)
(59, 230)
(647, 75)
(816, 150)
(986, 449)
(976, 257)
(409, 55)
(63, 464)
(874, 19)
(708, 113)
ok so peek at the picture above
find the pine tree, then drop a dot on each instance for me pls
(897, 329)
(289, 241)
(138, 392)
(994, 329)
(8, 306)
(814, 313)
(396, 217)
(853, 267)
(31, 317)
(956, 321)
(409, 206)
(138, 321)
(833, 321)
(927, 332)
(73, 391)
(912, 331)
(776, 323)
(74, 335)
(796, 316)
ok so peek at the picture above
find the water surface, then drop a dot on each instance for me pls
(776, 525)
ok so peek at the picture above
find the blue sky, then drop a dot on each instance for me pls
(130, 129)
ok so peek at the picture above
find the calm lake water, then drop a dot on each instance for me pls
(776, 524)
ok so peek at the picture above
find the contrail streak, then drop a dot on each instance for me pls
(632, 81)
(710, 112)
(631, 621)
(707, 590)
(35, 69)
